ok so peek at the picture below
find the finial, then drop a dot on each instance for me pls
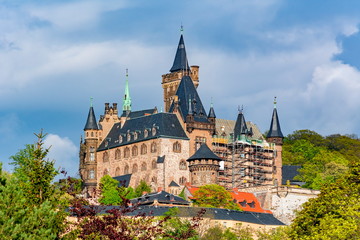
(161, 109)
(240, 110)
(211, 102)
(91, 101)
(275, 102)
(181, 29)
(127, 73)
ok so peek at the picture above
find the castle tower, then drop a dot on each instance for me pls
(211, 115)
(275, 136)
(204, 166)
(180, 68)
(88, 161)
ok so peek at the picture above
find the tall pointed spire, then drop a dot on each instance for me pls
(240, 125)
(91, 119)
(127, 98)
(275, 130)
(180, 61)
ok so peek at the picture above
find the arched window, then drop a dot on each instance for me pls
(128, 137)
(92, 134)
(105, 157)
(120, 139)
(143, 166)
(182, 165)
(154, 179)
(91, 174)
(117, 171)
(127, 152)
(117, 154)
(153, 131)
(134, 150)
(177, 147)
(153, 147)
(146, 133)
(182, 180)
(92, 154)
(135, 168)
(126, 169)
(143, 149)
(153, 164)
(106, 172)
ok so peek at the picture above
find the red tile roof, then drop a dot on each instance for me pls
(246, 201)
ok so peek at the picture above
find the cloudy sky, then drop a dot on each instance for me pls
(55, 55)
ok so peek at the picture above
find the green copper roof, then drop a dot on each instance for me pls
(127, 98)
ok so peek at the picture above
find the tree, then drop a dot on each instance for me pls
(109, 191)
(335, 213)
(29, 208)
(141, 188)
(215, 196)
(34, 171)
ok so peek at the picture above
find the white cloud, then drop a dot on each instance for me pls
(64, 152)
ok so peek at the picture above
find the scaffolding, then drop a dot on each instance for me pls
(246, 162)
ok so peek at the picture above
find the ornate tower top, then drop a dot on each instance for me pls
(240, 125)
(180, 61)
(91, 119)
(211, 111)
(127, 98)
(275, 130)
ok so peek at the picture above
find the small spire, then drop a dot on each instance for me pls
(275, 102)
(190, 109)
(91, 101)
(91, 123)
(127, 98)
(182, 29)
(212, 111)
(161, 109)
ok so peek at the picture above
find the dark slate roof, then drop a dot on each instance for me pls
(174, 184)
(212, 113)
(212, 213)
(124, 180)
(162, 197)
(186, 91)
(160, 159)
(204, 152)
(180, 61)
(91, 121)
(288, 173)
(140, 113)
(275, 130)
(164, 125)
(240, 126)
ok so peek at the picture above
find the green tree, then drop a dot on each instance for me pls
(141, 188)
(215, 196)
(29, 211)
(109, 191)
(335, 213)
(34, 171)
(308, 135)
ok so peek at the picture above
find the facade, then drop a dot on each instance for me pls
(166, 149)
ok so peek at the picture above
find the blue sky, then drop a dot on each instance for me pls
(55, 55)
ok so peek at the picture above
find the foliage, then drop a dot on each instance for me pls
(181, 228)
(279, 233)
(35, 172)
(323, 159)
(335, 213)
(141, 188)
(223, 233)
(215, 196)
(182, 194)
(70, 185)
(109, 191)
(28, 202)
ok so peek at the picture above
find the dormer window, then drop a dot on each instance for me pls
(120, 139)
(153, 131)
(128, 137)
(135, 135)
(146, 133)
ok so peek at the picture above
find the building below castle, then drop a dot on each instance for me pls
(184, 144)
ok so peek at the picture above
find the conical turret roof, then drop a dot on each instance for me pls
(240, 126)
(91, 121)
(204, 152)
(212, 112)
(275, 129)
(180, 61)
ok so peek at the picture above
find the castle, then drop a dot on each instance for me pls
(182, 145)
